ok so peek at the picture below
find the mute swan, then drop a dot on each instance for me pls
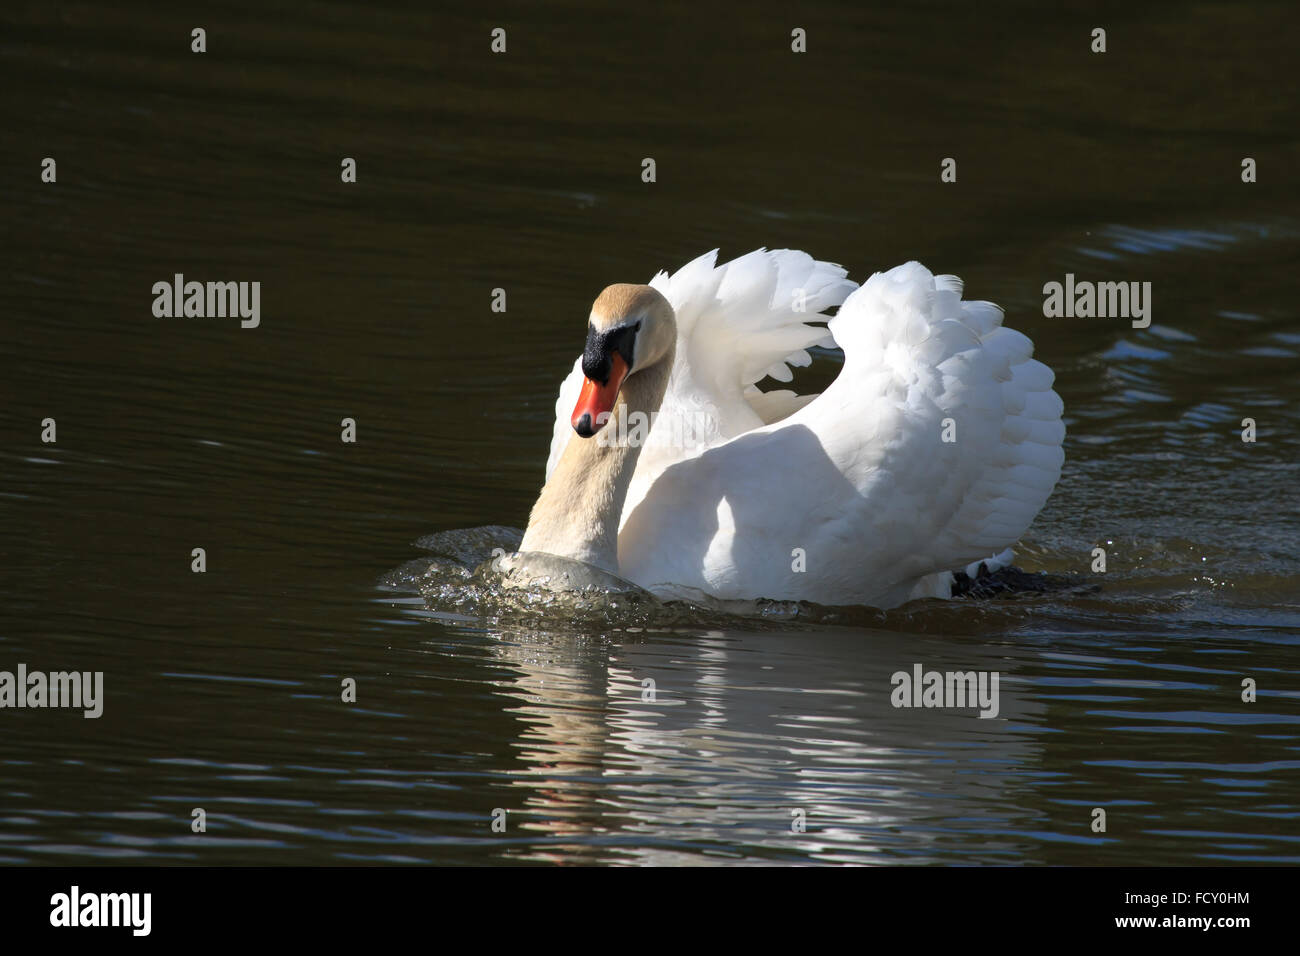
(935, 446)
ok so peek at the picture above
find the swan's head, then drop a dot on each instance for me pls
(630, 329)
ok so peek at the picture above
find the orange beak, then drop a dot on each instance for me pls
(596, 401)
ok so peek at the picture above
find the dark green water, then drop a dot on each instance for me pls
(522, 171)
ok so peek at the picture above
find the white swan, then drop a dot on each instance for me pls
(935, 446)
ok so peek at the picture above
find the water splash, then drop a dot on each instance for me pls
(475, 574)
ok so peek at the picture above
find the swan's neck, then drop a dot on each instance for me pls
(577, 514)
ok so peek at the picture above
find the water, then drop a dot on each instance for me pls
(523, 172)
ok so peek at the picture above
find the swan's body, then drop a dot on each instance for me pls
(936, 445)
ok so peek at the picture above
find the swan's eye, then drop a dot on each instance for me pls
(623, 340)
(601, 346)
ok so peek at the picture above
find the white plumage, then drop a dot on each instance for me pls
(852, 496)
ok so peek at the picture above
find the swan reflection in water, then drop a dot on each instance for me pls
(681, 747)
